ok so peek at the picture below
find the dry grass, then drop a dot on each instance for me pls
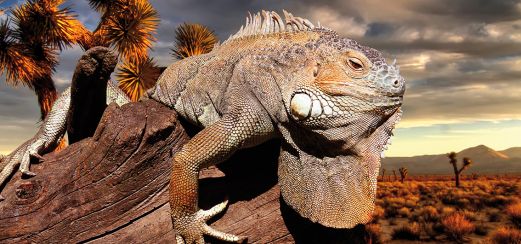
(506, 235)
(430, 213)
(514, 211)
(407, 232)
(378, 213)
(457, 226)
(433, 210)
(404, 212)
(374, 233)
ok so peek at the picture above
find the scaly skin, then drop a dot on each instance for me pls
(332, 101)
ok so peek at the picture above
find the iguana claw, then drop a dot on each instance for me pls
(24, 169)
(190, 229)
(38, 156)
(20, 159)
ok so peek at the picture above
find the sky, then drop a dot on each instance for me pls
(461, 60)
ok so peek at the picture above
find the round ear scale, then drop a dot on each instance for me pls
(300, 106)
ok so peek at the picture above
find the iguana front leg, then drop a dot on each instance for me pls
(49, 134)
(246, 126)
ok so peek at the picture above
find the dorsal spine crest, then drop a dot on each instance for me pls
(269, 22)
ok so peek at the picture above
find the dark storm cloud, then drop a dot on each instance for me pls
(485, 49)
(470, 10)
(378, 29)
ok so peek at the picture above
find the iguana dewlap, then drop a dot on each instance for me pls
(332, 101)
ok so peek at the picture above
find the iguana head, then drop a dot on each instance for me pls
(342, 109)
(341, 102)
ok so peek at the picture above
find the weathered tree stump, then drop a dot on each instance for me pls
(88, 92)
(112, 188)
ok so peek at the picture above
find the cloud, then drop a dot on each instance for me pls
(469, 10)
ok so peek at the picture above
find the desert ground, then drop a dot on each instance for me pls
(430, 209)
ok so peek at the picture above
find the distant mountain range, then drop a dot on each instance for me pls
(485, 161)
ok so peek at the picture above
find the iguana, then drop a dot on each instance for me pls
(332, 101)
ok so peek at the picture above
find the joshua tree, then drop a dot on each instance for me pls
(128, 26)
(383, 174)
(29, 46)
(41, 28)
(457, 172)
(193, 39)
(394, 173)
(403, 173)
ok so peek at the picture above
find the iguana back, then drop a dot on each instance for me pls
(198, 87)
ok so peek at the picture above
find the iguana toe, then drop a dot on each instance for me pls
(208, 214)
(190, 229)
(38, 156)
(28, 173)
(223, 236)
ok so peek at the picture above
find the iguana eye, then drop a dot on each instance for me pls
(355, 64)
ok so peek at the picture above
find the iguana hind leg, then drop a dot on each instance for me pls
(245, 126)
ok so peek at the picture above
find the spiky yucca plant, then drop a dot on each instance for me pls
(15, 61)
(28, 51)
(42, 21)
(135, 77)
(193, 39)
(130, 27)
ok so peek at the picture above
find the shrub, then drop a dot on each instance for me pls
(430, 213)
(505, 235)
(469, 215)
(497, 201)
(462, 202)
(430, 230)
(514, 211)
(378, 213)
(407, 232)
(456, 226)
(447, 211)
(374, 233)
(396, 202)
(404, 212)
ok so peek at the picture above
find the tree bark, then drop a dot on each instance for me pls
(89, 92)
(456, 173)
